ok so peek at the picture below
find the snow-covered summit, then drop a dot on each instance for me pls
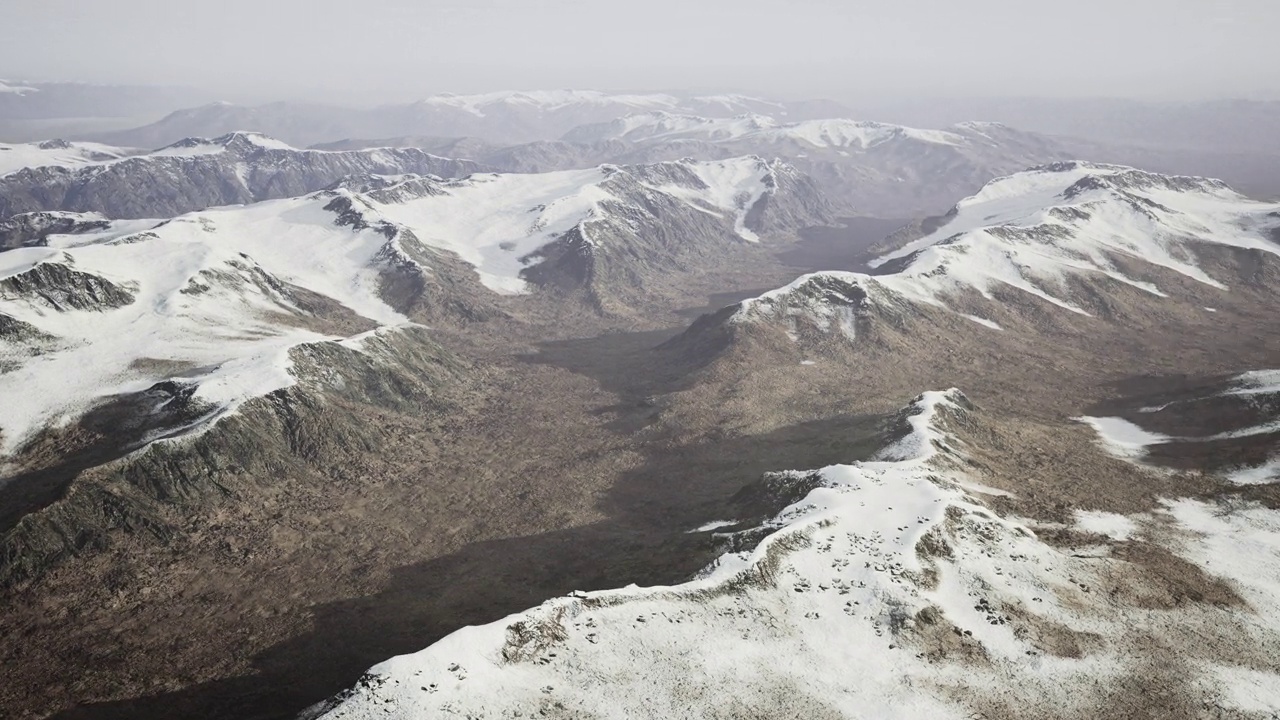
(238, 141)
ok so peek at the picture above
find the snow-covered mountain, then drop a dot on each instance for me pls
(194, 174)
(868, 168)
(1046, 235)
(608, 229)
(59, 153)
(503, 117)
(217, 301)
(891, 588)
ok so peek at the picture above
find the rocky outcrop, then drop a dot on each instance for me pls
(28, 229)
(62, 288)
(317, 427)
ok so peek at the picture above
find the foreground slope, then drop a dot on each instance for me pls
(891, 589)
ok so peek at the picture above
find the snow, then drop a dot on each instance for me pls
(714, 526)
(18, 156)
(493, 221)
(1239, 543)
(821, 618)
(1027, 232)
(1257, 382)
(1264, 474)
(193, 147)
(837, 133)
(200, 309)
(1121, 438)
(8, 86)
(971, 249)
(15, 157)
(983, 322)
(735, 185)
(1112, 525)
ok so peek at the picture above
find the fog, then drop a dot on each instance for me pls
(397, 50)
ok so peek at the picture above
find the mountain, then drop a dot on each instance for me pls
(865, 167)
(1056, 233)
(502, 117)
(1089, 529)
(871, 168)
(609, 231)
(298, 123)
(1222, 126)
(197, 173)
(56, 153)
(897, 570)
(186, 320)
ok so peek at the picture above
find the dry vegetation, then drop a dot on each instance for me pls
(552, 450)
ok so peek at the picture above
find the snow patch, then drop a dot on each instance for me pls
(1116, 527)
(1121, 438)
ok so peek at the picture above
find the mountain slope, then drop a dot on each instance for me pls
(869, 168)
(215, 301)
(611, 231)
(1052, 234)
(890, 588)
(55, 152)
(198, 173)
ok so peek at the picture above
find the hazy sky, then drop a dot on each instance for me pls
(385, 50)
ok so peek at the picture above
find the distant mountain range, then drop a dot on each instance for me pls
(504, 117)
(192, 174)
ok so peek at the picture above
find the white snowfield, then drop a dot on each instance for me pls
(1033, 230)
(842, 609)
(58, 153)
(1121, 438)
(835, 133)
(494, 220)
(204, 312)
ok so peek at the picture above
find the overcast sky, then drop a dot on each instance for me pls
(390, 50)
